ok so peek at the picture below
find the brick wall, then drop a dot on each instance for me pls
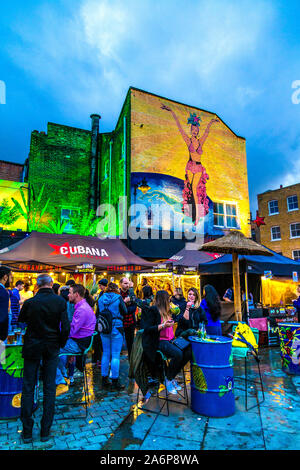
(60, 160)
(10, 171)
(283, 219)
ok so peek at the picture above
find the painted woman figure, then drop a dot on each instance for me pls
(194, 192)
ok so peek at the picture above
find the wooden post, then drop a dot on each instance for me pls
(236, 287)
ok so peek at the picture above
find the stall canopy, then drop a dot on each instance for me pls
(191, 256)
(279, 265)
(38, 250)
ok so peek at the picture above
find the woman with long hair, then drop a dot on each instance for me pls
(193, 314)
(112, 342)
(212, 306)
(158, 334)
(194, 192)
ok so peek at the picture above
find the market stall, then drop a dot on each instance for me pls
(181, 270)
(85, 259)
(273, 278)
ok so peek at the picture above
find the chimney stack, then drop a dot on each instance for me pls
(94, 141)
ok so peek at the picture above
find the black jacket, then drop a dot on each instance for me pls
(47, 322)
(4, 303)
(197, 315)
(150, 320)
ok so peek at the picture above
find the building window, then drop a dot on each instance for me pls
(66, 215)
(218, 214)
(292, 203)
(295, 230)
(296, 255)
(275, 233)
(225, 215)
(273, 207)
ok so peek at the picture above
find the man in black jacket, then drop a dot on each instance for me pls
(47, 331)
(5, 280)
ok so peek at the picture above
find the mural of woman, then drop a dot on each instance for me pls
(195, 200)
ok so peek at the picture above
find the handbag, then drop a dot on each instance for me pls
(180, 343)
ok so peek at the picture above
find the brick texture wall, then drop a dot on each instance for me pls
(283, 219)
(10, 171)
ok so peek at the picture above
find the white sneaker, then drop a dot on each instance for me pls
(176, 385)
(170, 387)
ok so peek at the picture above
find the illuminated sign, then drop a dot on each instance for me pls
(79, 251)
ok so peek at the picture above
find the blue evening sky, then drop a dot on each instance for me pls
(62, 60)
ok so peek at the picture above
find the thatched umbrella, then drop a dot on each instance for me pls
(236, 243)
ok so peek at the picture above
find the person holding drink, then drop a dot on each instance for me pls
(158, 334)
(194, 314)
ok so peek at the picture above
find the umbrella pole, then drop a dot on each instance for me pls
(247, 296)
(236, 287)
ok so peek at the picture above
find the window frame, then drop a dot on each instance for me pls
(275, 239)
(273, 213)
(225, 215)
(294, 223)
(287, 201)
(293, 251)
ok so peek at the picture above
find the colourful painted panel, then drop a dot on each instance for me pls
(9, 218)
(190, 159)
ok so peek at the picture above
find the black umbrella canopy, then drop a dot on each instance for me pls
(69, 251)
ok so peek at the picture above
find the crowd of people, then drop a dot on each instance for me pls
(61, 321)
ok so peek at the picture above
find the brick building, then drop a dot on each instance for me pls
(146, 160)
(280, 208)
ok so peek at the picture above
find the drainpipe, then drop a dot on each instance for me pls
(93, 183)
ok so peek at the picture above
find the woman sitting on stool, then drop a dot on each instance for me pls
(158, 334)
(193, 315)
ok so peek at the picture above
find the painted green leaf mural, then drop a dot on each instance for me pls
(12, 362)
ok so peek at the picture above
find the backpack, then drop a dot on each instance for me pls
(104, 321)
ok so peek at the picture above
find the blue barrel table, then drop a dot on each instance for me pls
(289, 334)
(11, 381)
(212, 377)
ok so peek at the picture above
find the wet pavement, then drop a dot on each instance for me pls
(115, 422)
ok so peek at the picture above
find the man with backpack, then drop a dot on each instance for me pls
(110, 324)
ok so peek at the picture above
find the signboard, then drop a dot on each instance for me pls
(162, 268)
(85, 268)
(295, 276)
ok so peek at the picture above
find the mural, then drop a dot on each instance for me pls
(10, 219)
(188, 160)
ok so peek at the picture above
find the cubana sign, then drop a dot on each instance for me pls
(78, 251)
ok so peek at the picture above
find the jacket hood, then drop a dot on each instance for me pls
(109, 297)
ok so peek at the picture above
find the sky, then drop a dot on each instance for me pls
(62, 60)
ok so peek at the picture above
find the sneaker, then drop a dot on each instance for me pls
(61, 389)
(170, 387)
(116, 385)
(176, 385)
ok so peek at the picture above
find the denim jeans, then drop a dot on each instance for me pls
(112, 346)
(70, 347)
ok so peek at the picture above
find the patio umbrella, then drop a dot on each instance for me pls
(236, 243)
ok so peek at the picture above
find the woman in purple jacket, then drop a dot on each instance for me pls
(212, 306)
